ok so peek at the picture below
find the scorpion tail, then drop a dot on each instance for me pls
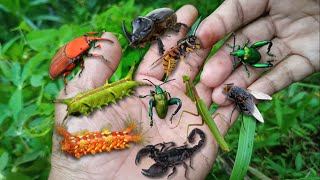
(191, 138)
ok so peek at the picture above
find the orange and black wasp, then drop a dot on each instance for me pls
(178, 52)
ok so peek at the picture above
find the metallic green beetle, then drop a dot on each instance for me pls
(160, 102)
(250, 54)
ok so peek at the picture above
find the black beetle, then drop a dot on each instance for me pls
(148, 28)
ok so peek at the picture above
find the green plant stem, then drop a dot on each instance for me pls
(245, 147)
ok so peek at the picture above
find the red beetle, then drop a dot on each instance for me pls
(71, 54)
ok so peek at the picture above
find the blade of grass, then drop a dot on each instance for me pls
(245, 147)
(258, 174)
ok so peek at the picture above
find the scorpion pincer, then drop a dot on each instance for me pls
(167, 155)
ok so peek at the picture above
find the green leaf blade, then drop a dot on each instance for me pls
(245, 148)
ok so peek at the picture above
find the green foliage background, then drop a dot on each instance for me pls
(31, 32)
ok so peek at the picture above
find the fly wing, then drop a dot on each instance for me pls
(260, 95)
(250, 108)
(256, 113)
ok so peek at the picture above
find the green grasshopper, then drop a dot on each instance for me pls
(203, 112)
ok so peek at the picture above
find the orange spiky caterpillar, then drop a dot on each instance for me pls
(95, 142)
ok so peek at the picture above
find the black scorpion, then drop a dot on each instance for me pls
(169, 155)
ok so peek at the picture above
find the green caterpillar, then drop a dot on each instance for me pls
(86, 102)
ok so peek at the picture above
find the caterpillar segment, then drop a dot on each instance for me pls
(86, 102)
(96, 142)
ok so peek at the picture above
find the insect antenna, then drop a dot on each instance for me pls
(64, 119)
(166, 81)
(149, 81)
(232, 112)
(234, 44)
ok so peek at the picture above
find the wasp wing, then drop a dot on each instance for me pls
(260, 95)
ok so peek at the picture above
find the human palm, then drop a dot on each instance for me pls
(120, 164)
(292, 27)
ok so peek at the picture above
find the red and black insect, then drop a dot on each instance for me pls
(72, 54)
(169, 155)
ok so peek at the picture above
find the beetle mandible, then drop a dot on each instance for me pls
(161, 102)
(71, 54)
(250, 54)
(148, 28)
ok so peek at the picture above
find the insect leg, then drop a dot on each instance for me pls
(218, 114)
(259, 44)
(185, 111)
(151, 105)
(175, 101)
(263, 65)
(144, 96)
(245, 44)
(186, 168)
(172, 144)
(245, 66)
(173, 171)
(232, 47)
(65, 81)
(178, 25)
(182, 59)
(235, 63)
(234, 43)
(81, 67)
(232, 113)
(97, 55)
(160, 45)
(64, 119)
(194, 125)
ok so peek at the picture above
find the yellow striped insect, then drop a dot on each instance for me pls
(170, 58)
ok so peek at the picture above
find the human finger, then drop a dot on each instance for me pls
(231, 15)
(239, 76)
(96, 70)
(292, 69)
(187, 15)
(220, 65)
